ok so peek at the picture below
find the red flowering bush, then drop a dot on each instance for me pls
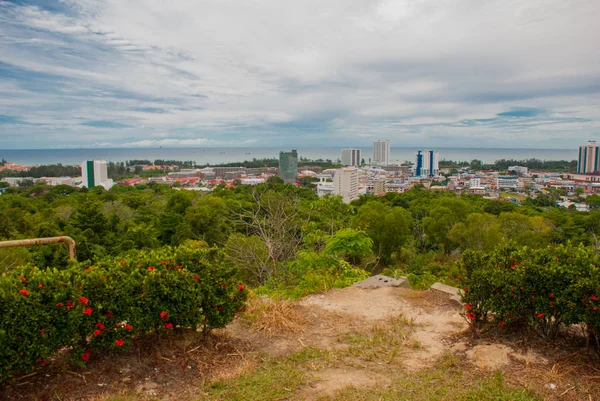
(543, 289)
(91, 310)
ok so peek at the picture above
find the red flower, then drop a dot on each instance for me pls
(179, 267)
(86, 355)
(100, 326)
(593, 298)
(60, 304)
(43, 332)
(128, 327)
(143, 294)
(501, 324)
(595, 309)
(196, 277)
(123, 262)
(109, 314)
(163, 314)
(471, 316)
(540, 315)
(459, 278)
(514, 296)
(151, 268)
(551, 295)
(23, 279)
(70, 305)
(97, 333)
(163, 263)
(169, 326)
(533, 297)
(83, 301)
(240, 287)
(40, 285)
(469, 307)
(24, 292)
(87, 311)
(119, 342)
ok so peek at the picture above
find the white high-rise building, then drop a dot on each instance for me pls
(345, 183)
(589, 158)
(93, 173)
(351, 157)
(381, 153)
(427, 163)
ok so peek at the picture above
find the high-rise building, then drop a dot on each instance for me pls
(381, 153)
(351, 157)
(345, 183)
(94, 173)
(288, 166)
(427, 163)
(589, 157)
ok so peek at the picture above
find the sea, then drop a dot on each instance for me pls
(214, 156)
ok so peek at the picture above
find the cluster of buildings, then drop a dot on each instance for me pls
(357, 177)
(379, 176)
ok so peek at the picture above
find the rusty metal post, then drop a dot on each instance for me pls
(42, 241)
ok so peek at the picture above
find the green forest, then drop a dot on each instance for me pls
(267, 228)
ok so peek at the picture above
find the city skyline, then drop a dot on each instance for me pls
(81, 73)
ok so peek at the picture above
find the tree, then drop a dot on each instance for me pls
(388, 227)
(276, 220)
(437, 226)
(349, 244)
(481, 231)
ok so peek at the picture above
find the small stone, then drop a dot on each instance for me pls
(551, 386)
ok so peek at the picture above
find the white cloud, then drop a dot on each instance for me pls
(273, 68)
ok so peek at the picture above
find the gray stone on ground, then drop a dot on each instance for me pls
(383, 281)
(446, 289)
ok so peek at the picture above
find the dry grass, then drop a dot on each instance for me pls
(575, 376)
(275, 317)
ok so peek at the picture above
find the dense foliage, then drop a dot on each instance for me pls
(543, 289)
(99, 307)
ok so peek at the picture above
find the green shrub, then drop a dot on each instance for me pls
(544, 288)
(94, 308)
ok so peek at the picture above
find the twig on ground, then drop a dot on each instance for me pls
(26, 376)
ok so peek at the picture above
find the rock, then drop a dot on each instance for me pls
(493, 356)
(383, 281)
(529, 357)
(459, 347)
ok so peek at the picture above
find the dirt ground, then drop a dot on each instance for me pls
(426, 324)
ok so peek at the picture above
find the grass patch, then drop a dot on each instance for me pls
(274, 316)
(381, 342)
(444, 382)
(274, 379)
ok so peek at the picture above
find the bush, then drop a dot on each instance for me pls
(311, 273)
(94, 308)
(544, 289)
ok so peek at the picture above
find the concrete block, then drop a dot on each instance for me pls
(446, 289)
(382, 281)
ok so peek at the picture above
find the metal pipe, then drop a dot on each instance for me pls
(42, 241)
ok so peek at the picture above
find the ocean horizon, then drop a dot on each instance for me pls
(209, 155)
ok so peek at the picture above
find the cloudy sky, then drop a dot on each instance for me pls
(197, 73)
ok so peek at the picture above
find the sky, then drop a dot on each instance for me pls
(197, 73)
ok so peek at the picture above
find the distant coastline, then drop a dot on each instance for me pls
(228, 155)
